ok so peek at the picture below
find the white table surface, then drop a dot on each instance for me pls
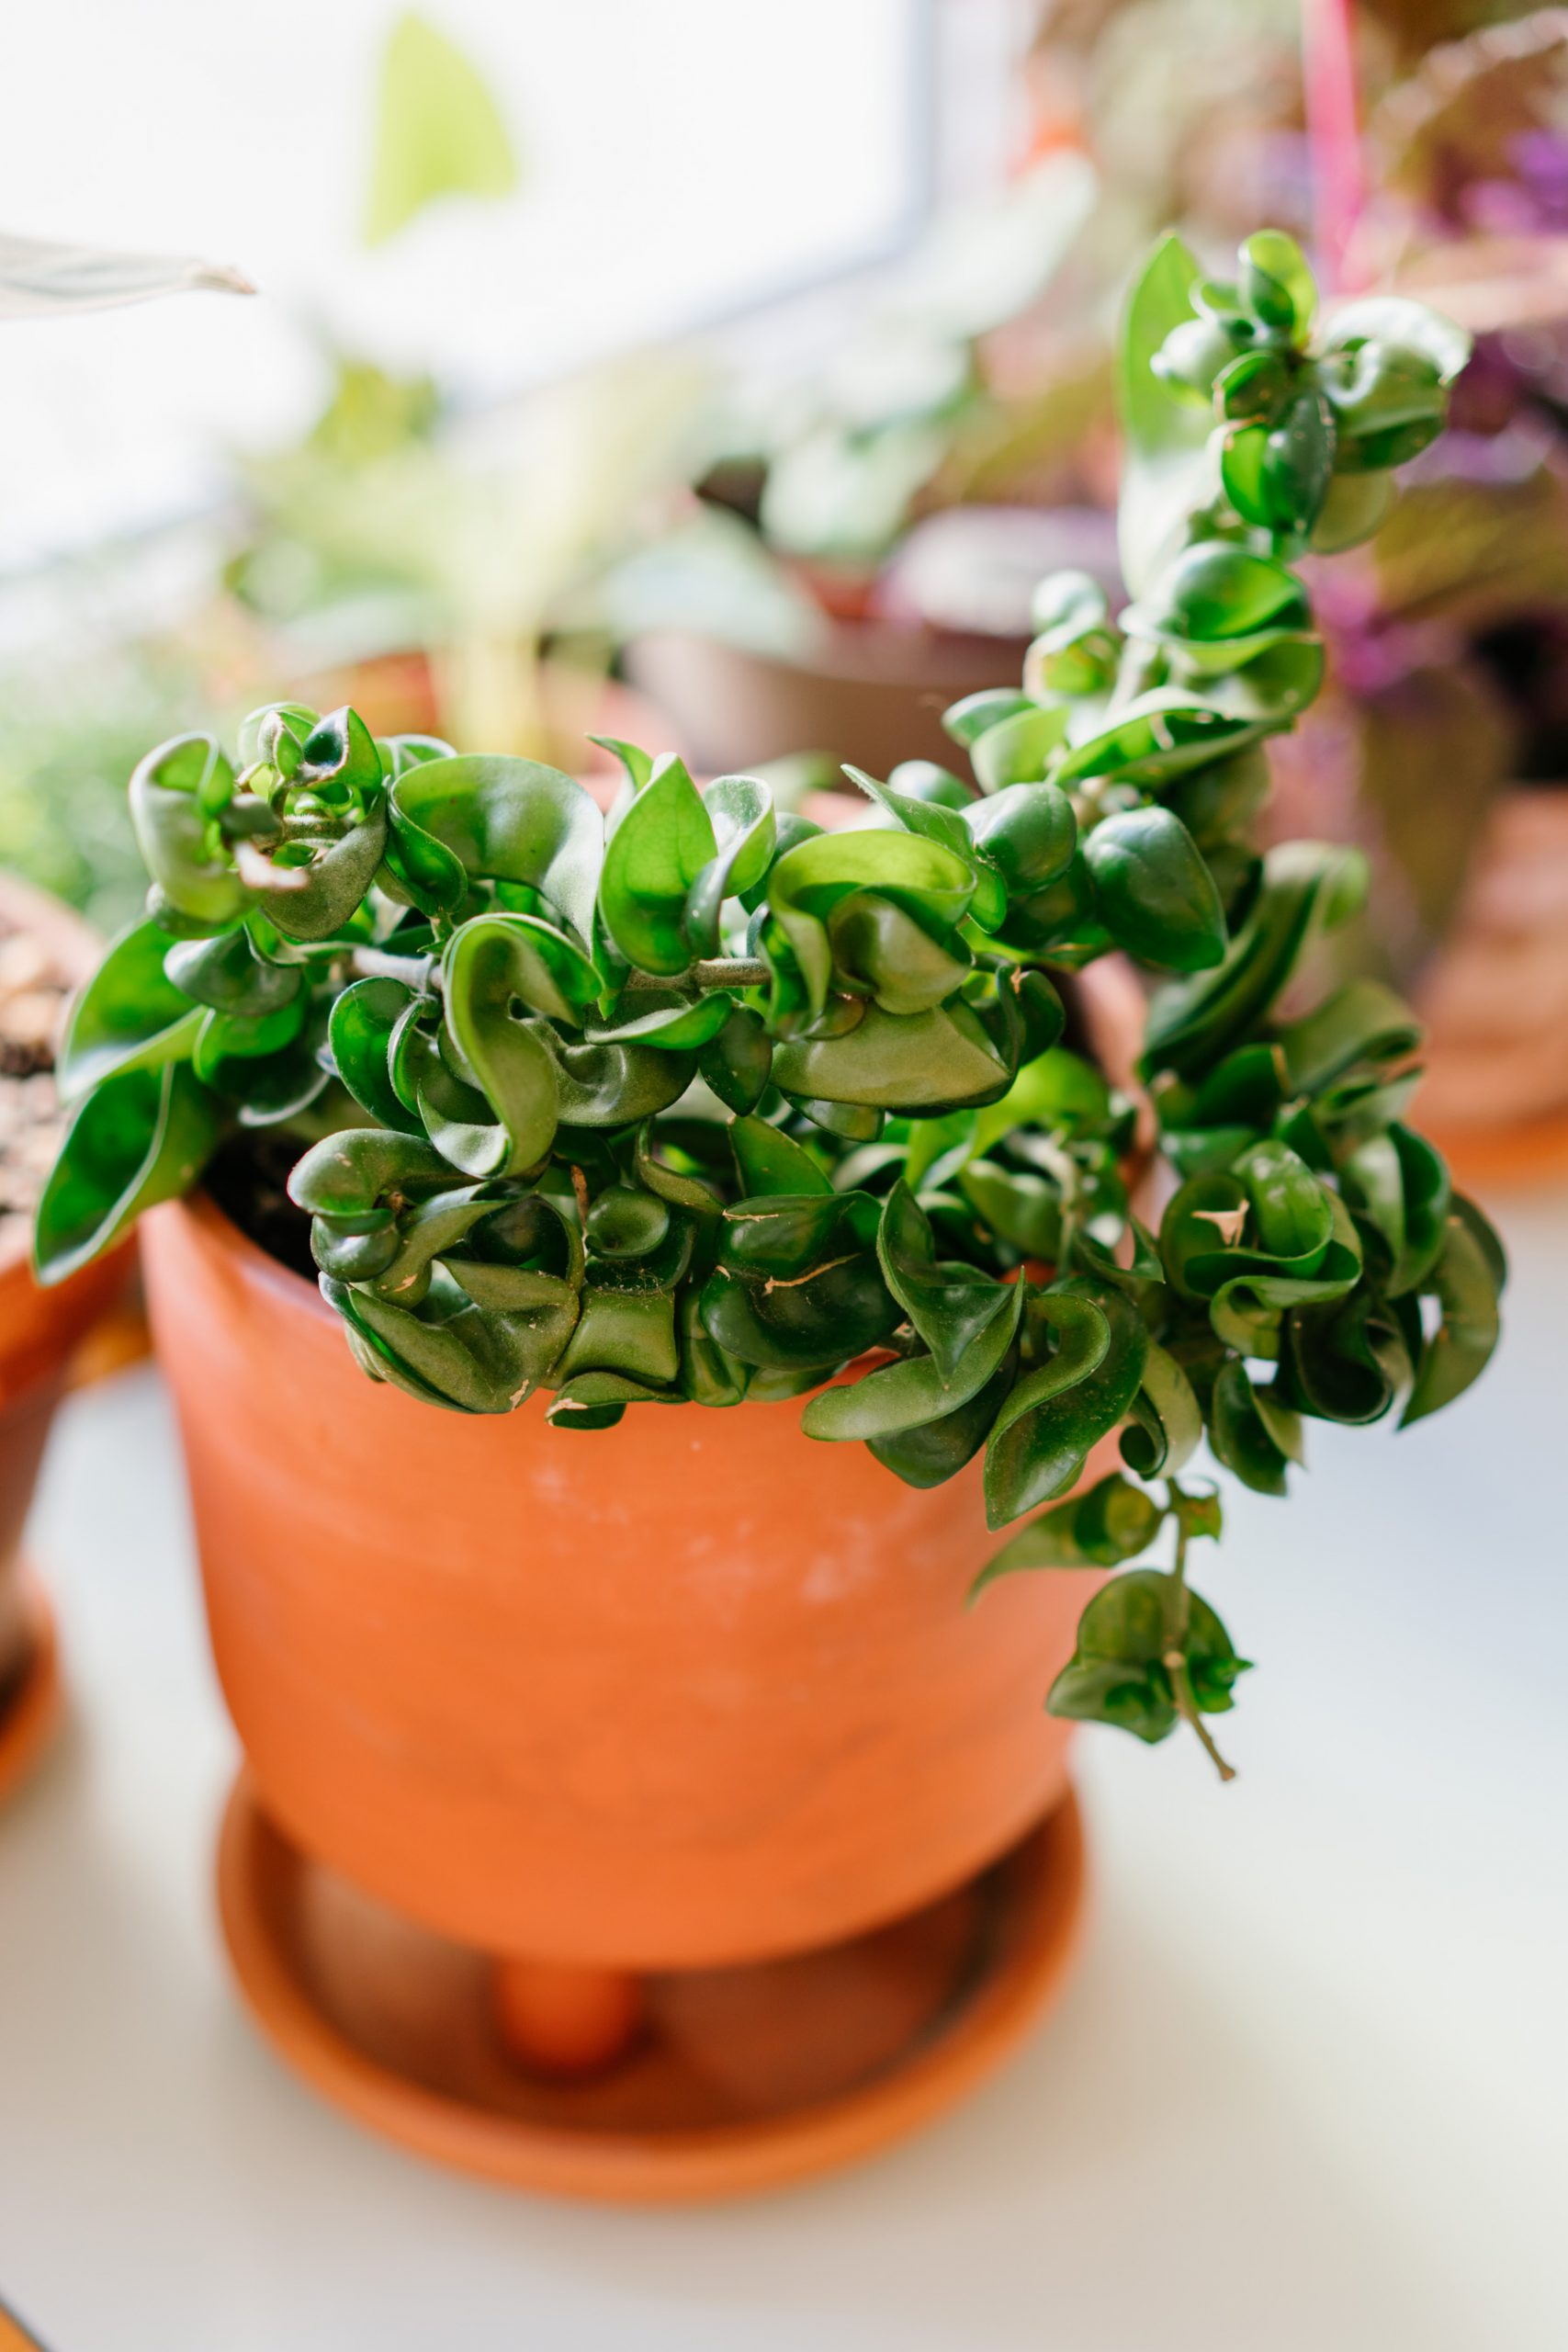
(1308, 2088)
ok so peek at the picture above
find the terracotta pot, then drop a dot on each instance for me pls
(40, 1331)
(873, 696)
(692, 1692)
(1495, 1002)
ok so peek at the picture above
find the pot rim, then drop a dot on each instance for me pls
(200, 1205)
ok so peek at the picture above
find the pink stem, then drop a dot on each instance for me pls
(1334, 141)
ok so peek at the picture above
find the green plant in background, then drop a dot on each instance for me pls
(908, 403)
(710, 1104)
(438, 132)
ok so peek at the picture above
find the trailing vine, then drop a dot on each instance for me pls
(707, 1103)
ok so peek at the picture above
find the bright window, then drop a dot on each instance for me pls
(680, 157)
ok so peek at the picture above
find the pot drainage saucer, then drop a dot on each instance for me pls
(744, 2078)
(29, 1706)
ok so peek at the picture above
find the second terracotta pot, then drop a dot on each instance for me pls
(873, 695)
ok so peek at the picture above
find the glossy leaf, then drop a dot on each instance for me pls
(1466, 1281)
(664, 843)
(949, 1304)
(923, 1061)
(1167, 469)
(881, 952)
(498, 819)
(230, 974)
(450, 1352)
(1027, 832)
(1154, 893)
(737, 1061)
(128, 1016)
(1016, 750)
(612, 1086)
(919, 1390)
(177, 793)
(1062, 1409)
(1255, 1443)
(938, 1450)
(626, 1331)
(488, 969)
(1118, 1673)
(141, 1137)
(311, 890)
(740, 810)
(1164, 1422)
(1399, 1185)
(1113, 1522)
(1306, 886)
(770, 1161)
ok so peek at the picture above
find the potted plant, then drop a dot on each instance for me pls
(632, 1806)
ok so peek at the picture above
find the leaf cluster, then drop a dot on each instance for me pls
(703, 1102)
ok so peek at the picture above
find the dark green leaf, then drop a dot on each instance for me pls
(229, 974)
(176, 795)
(1117, 1674)
(500, 820)
(770, 1161)
(918, 1391)
(740, 809)
(1258, 1443)
(128, 1016)
(1111, 1523)
(949, 1304)
(738, 1063)
(1306, 885)
(923, 1061)
(1061, 1409)
(1465, 1282)
(138, 1137)
(661, 846)
(1155, 894)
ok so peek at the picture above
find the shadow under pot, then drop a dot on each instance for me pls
(637, 1814)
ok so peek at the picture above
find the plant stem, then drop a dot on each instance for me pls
(381, 964)
(1175, 1658)
(711, 972)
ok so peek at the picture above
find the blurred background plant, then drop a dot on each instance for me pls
(801, 510)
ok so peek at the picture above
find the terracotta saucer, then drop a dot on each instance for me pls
(745, 2078)
(30, 1710)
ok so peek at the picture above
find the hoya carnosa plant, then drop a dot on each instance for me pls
(704, 1103)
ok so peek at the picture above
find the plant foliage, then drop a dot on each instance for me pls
(703, 1103)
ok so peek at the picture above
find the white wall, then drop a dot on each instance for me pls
(680, 156)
